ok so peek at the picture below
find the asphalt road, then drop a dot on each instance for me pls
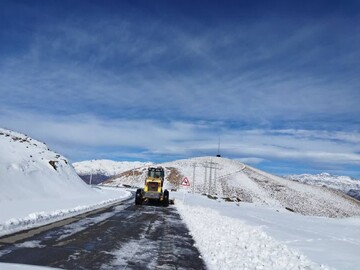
(121, 237)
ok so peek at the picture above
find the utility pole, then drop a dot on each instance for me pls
(212, 178)
(205, 180)
(210, 174)
(193, 187)
(215, 178)
(218, 153)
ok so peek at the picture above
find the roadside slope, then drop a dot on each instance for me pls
(38, 185)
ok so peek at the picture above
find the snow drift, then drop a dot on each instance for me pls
(233, 235)
(38, 185)
(29, 169)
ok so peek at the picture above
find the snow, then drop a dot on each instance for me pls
(249, 236)
(135, 249)
(107, 167)
(343, 183)
(39, 186)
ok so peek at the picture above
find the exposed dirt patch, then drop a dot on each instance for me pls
(174, 177)
(131, 177)
(129, 173)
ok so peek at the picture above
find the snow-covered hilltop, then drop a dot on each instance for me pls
(236, 181)
(101, 169)
(37, 184)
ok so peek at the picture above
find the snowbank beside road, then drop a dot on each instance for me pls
(248, 236)
(228, 243)
(15, 266)
(22, 215)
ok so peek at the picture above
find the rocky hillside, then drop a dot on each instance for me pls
(233, 180)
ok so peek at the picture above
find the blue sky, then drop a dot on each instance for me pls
(278, 81)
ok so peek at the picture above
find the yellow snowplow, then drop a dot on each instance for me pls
(153, 190)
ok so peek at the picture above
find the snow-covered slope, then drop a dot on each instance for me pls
(239, 182)
(34, 179)
(345, 184)
(29, 169)
(102, 169)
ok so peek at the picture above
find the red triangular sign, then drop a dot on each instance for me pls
(185, 182)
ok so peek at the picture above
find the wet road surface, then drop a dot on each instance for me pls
(121, 237)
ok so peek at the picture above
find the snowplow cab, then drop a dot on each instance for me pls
(155, 179)
(153, 189)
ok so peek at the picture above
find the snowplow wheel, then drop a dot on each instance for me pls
(138, 197)
(166, 198)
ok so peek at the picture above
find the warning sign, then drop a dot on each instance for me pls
(185, 182)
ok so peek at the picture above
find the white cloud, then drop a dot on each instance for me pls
(83, 135)
(251, 160)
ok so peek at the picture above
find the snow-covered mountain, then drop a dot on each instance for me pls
(236, 181)
(101, 169)
(345, 184)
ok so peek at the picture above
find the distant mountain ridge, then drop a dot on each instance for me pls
(102, 169)
(345, 184)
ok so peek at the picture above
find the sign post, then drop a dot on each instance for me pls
(185, 183)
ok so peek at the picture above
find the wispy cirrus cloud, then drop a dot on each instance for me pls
(148, 138)
(216, 76)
